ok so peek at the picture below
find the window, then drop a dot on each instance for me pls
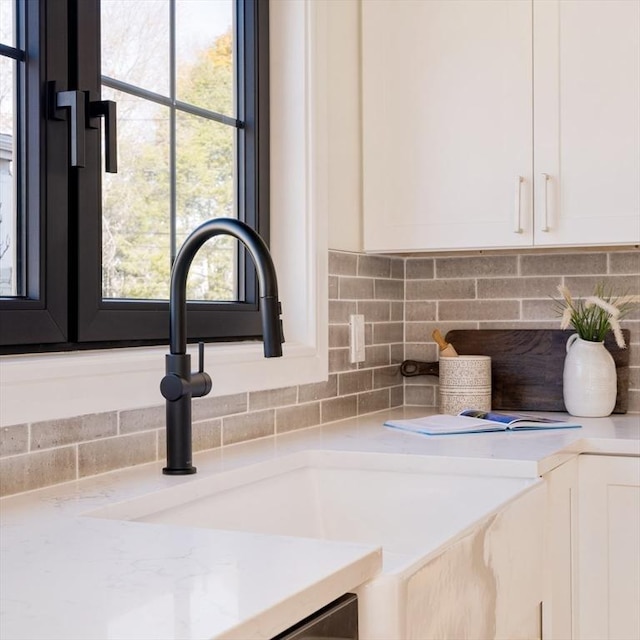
(85, 254)
(57, 385)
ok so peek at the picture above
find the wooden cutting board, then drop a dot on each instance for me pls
(527, 364)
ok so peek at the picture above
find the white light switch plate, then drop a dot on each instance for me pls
(356, 338)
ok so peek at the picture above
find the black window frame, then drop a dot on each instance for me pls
(63, 308)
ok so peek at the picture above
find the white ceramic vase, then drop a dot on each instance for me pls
(589, 379)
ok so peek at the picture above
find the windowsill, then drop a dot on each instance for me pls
(50, 386)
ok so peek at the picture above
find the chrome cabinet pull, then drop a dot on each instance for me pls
(545, 217)
(518, 205)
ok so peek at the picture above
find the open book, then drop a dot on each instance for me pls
(474, 421)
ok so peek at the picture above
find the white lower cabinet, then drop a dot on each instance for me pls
(608, 544)
(488, 584)
(592, 549)
(560, 552)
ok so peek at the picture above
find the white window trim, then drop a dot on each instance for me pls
(52, 386)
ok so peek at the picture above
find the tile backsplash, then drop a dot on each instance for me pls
(402, 299)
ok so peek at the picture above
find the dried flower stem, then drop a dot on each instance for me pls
(596, 315)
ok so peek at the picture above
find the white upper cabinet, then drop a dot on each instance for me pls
(500, 124)
(587, 121)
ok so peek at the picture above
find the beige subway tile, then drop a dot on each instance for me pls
(356, 288)
(297, 417)
(338, 335)
(517, 287)
(38, 469)
(143, 419)
(634, 401)
(341, 264)
(420, 311)
(634, 378)
(355, 382)
(476, 266)
(318, 390)
(387, 377)
(387, 332)
(421, 381)
(625, 262)
(375, 310)
(374, 266)
(376, 356)
(272, 398)
(397, 311)
(426, 352)
(634, 330)
(339, 361)
(100, 456)
(14, 440)
(619, 284)
(562, 264)
(420, 396)
(419, 268)
(397, 353)
(338, 408)
(389, 289)
(397, 268)
(479, 310)
(334, 289)
(340, 310)
(417, 332)
(206, 434)
(56, 433)
(218, 406)
(373, 401)
(396, 396)
(440, 289)
(540, 310)
(248, 426)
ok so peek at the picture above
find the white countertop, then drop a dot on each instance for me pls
(68, 576)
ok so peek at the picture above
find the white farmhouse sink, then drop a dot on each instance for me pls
(407, 504)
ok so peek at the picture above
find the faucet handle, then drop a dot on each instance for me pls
(200, 357)
(200, 381)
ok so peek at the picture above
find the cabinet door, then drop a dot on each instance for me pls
(609, 548)
(586, 123)
(447, 124)
(562, 515)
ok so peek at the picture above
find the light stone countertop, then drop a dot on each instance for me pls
(68, 576)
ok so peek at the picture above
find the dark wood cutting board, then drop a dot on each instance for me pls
(527, 365)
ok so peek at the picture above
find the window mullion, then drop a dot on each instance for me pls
(173, 209)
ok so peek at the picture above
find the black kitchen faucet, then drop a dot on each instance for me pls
(179, 384)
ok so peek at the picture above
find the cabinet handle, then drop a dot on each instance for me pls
(545, 214)
(517, 226)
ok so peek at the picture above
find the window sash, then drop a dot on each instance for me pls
(64, 309)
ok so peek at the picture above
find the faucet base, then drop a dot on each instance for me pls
(168, 471)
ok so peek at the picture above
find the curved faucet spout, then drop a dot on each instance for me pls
(267, 280)
(180, 385)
